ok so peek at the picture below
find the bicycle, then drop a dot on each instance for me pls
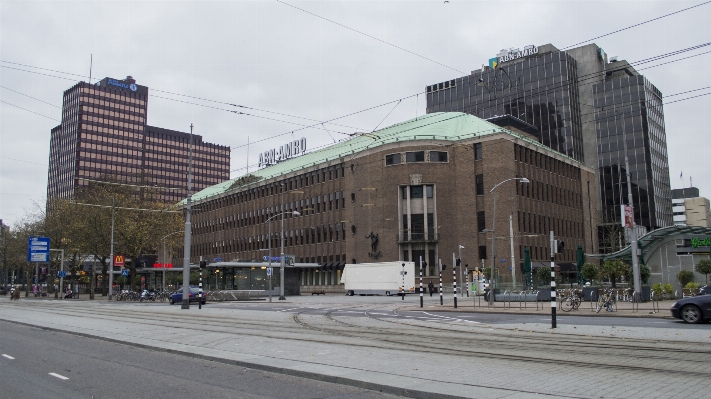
(571, 301)
(606, 300)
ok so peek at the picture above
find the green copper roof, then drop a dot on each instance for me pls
(448, 126)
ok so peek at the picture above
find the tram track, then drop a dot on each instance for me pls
(505, 345)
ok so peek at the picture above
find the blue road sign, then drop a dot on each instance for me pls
(218, 260)
(269, 272)
(61, 274)
(124, 272)
(503, 261)
(38, 249)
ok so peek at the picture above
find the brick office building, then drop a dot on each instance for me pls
(104, 135)
(422, 187)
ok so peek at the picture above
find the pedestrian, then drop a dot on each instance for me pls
(17, 294)
(430, 287)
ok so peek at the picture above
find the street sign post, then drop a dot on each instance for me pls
(124, 272)
(269, 272)
(38, 249)
(61, 274)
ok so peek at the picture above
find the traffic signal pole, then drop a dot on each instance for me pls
(454, 281)
(422, 299)
(553, 298)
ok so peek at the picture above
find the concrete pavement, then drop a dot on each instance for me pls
(409, 356)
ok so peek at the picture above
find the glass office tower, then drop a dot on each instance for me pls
(630, 119)
(541, 91)
(582, 104)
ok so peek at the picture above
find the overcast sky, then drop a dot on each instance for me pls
(273, 57)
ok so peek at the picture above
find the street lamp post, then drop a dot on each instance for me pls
(111, 256)
(281, 267)
(493, 238)
(188, 229)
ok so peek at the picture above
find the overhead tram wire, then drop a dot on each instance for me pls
(25, 109)
(604, 119)
(370, 36)
(586, 77)
(247, 107)
(636, 25)
(611, 117)
(688, 91)
(37, 99)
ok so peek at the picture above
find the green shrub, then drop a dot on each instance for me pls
(684, 277)
(657, 289)
(589, 271)
(668, 288)
(704, 267)
(644, 273)
(543, 274)
(691, 285)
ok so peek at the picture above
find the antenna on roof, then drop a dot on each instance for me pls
(91, 64)
(247, 154)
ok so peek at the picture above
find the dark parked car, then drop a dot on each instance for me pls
(694, 309)
(705, 290)
(194, 291)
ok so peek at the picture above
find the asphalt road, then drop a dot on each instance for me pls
(36, 363)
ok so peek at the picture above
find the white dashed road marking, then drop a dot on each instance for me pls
(61, 377)
(8, 356)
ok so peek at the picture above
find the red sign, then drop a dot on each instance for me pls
(119, 261)
(158, 265)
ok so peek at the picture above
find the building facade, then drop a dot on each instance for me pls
(418, 189)
(583, 106)
(104, 136)
(689, 208)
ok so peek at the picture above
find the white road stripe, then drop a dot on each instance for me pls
(61, 377)
(8, 356)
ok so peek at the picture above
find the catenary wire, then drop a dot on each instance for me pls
(25, 109)
(23, 94)
(370, 36)
(689, 91)
(635, 25)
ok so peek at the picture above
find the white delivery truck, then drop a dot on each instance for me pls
(383, 278)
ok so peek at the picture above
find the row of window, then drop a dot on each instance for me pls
(109, 94)
(416, 156)
(545, 162)
(308, 206)
(549, 193)
(306, 236)
(304, 180)
(417, 191)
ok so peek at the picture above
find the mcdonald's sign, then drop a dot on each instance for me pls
(119, 261)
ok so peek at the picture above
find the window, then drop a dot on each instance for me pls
(392, 159)
(415, 192)
(477, 151)
(429, 191)
(479, 184)
(482, 252)
(404, 192)
(438, 156)
(481, 220)
(418, 156)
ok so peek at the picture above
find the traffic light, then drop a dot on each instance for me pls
(558, 246)
(444, 266)
(459, 262)
(424, 264)
(203, 264)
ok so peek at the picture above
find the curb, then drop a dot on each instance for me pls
(273, 369)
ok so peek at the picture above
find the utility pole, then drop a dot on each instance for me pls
(111, 261)
(421, 297)
(441, 299)
(188, 229)
(454, 281)
(281, 266)
(513, 259)
(461, 279)
(633, 232)
(554, 249)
